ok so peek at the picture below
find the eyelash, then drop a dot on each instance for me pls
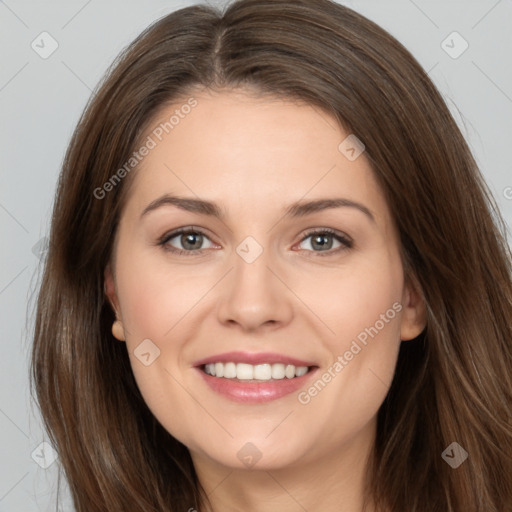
(346, 241)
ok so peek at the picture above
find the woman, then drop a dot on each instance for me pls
(275, 281)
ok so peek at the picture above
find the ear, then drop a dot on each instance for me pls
(414, 312)
(110, 291)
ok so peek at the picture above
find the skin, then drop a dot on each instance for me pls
(254, 156)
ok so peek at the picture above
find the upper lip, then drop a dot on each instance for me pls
(253, 358)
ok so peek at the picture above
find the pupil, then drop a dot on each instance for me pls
(319, 238)
(189, 239)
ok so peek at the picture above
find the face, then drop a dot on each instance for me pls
(259, 286)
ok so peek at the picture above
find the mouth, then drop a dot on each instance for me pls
(265, 372)
(255, 378)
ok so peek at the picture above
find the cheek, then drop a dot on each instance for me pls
(153, 295)
(362, 309)
(351, 300)
(369, 336)
(151, 304)
(157, 305)
(366, 306)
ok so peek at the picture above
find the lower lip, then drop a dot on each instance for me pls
(255, 392)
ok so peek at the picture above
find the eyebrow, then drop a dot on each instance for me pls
(295, 210)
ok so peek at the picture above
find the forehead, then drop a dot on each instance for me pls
(233, 147)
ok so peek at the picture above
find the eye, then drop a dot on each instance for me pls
(324, 239)
(190, 241)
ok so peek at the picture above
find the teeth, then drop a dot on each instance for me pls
(289, 371)
(301, 370)
(243, 371)
(262, 372)
(219, 369)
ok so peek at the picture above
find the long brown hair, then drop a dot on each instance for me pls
(452, 384)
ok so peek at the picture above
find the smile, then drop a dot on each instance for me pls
(265, 372)
(256, 383)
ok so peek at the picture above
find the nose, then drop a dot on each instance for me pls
(255, 295)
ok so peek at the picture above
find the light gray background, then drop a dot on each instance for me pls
(41, 100)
